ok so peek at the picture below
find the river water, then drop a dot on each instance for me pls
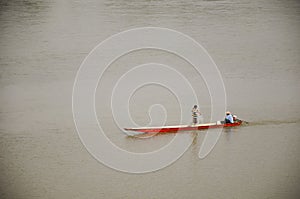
(255, 45)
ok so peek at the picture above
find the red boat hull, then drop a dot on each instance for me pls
(169, 129)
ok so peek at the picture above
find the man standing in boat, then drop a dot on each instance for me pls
(195, 114)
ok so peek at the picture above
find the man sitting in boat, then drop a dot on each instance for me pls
(228, 118)
(195, 114)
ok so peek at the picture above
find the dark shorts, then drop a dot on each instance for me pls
(227, 121)
(195, 120)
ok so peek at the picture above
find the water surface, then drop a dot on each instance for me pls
(255, 45)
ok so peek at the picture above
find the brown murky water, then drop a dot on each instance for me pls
(255, 45)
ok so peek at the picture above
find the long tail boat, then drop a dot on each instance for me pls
(178, 128)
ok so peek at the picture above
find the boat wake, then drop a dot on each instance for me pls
(271, 122)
